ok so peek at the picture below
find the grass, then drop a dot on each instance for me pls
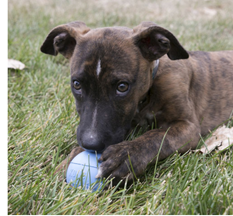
(42, 119)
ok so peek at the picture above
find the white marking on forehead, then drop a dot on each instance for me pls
(98, 69)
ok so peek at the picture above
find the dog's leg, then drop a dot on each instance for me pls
(62, 167)
(117, 159)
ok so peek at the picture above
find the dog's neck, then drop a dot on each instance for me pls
(154, 72)
(144, 101)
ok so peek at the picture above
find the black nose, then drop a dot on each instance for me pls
(91, 141)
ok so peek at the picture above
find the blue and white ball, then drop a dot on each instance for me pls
(83, 170)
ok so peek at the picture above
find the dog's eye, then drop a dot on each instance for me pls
(122, 87)
(77, 85)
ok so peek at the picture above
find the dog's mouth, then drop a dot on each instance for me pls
(98, 140)
(91, 148)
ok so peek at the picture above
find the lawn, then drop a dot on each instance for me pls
(42, 120)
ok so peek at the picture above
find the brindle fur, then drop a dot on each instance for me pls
(188, 97)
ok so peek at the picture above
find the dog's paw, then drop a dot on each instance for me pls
(122, 162)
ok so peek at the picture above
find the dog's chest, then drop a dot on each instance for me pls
(149, 119)
(145, 119)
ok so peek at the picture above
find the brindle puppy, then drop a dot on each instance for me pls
(112, 72)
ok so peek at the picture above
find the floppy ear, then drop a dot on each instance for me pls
(155, 41)
(62, 39)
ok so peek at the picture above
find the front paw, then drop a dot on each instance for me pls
(122, 162)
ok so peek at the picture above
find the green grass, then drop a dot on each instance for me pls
(42, 119)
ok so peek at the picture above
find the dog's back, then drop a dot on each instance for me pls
(213, 94)
(206, 78)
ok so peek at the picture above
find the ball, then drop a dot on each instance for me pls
(82, 171)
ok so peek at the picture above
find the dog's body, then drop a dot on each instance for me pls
(112, 82)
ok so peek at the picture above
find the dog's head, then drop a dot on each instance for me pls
(111, 72)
